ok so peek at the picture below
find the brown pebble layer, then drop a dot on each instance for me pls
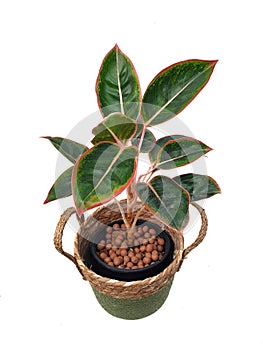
(114, 250)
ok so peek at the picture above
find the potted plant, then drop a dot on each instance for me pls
(129, 249)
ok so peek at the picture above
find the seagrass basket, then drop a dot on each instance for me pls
(127, 300)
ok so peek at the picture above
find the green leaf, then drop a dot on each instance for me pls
(176, 153)
(148, 141)
(61, 187)
(173, 89)
(198, 186)
(70, 149)
(160, 143)
(115, 128)
(102, 173)
(166, 199)
(117, 87)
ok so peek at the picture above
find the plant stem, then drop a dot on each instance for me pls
(131, 200)
(137, 217)
(122, 213)
(130, 229)
(142, 137)
(149, 172)
(131, 193)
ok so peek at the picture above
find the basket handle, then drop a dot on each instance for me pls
(59, 233)
(201, 235)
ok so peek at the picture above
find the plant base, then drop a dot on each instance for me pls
(133, 309)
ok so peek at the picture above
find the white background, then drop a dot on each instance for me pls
(50, 55)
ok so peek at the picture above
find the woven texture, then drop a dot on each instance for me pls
(132, 309)
(120, 289)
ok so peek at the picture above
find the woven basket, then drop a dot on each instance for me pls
(128, 300)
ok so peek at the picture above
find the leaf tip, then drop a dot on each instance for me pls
(46, 201)
(214, 62)
(216, 184)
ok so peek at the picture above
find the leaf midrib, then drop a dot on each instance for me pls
(65, 154)
(177, 94)
(119, 82)
(176, 158)
(160, 199)
(106, 173)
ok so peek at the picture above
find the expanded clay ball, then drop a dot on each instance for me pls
(160, 248)
(108, 246)
(139, 256)
(131, 254)
(160, 241)
(155, 255)
(109, 229)
(152, 231)
(103, 255)
(118, 242)
(117, 261)
(146, 260)
(101, 245)
(107, 260)
(134, 260)
(149, 248)
(108, 236)
(140, 264)
(142, 248)
(145, 228)
(140, 240)
(147, 235)
(118, 251)
(113, 255)
(123, 252)
(126, 259)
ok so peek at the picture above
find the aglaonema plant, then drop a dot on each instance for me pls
(100, 173)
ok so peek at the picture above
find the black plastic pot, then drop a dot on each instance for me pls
(93, 262)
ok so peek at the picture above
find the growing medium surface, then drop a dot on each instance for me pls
(114, 250)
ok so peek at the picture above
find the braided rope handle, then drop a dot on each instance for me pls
(202, 231)
(59, 234)
(201, 234)
(70, 211)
